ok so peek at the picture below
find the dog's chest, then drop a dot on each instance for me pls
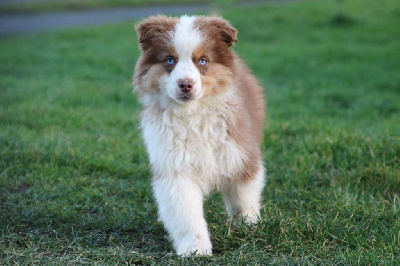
(197, 143)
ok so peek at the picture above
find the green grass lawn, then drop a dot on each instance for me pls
(74, 177)
(32, 7)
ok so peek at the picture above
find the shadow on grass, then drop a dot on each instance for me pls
(342, 20)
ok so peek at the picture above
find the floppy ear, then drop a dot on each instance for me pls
(227, 32)
(153, 27)
(219, 27)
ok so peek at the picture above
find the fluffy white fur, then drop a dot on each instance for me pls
(194, 137)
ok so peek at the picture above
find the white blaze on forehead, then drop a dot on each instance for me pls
(186, 37)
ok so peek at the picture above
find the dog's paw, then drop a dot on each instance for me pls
(250, 218)
(244, 218)
(196, 250)
(200, 246)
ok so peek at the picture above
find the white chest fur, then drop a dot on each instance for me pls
(192, 141)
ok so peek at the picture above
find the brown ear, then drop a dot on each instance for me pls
(153, 27)
(219, 27)
(227, 32)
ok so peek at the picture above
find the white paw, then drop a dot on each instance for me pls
(250, 218)
(199, 246)
(247, 218)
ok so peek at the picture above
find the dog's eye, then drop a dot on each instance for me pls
(203, 62)
(170, 61)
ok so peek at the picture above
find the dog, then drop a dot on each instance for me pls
(202, 124)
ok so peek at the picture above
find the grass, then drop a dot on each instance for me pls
(74, 178)
(33, 7)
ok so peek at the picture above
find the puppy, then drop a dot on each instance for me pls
(202, 123)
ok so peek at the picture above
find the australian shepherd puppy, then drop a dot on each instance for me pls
(202, 123)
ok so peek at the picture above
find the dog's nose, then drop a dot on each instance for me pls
(185, 85)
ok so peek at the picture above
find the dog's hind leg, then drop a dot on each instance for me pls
(242, 198)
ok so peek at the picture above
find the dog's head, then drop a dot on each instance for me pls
(184, 59)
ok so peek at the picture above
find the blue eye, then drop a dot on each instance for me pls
(170, 61)
(203, 61)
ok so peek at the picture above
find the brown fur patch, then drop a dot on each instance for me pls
(217, 81)
(154, 36)
(218, 28)
(149, 81)
(153, 29)
(219, 36)
(247, 125)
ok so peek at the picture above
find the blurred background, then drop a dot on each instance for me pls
(39, 15)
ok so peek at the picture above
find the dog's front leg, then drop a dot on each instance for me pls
(180, 206)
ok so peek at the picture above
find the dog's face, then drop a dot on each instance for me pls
(184, 59)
